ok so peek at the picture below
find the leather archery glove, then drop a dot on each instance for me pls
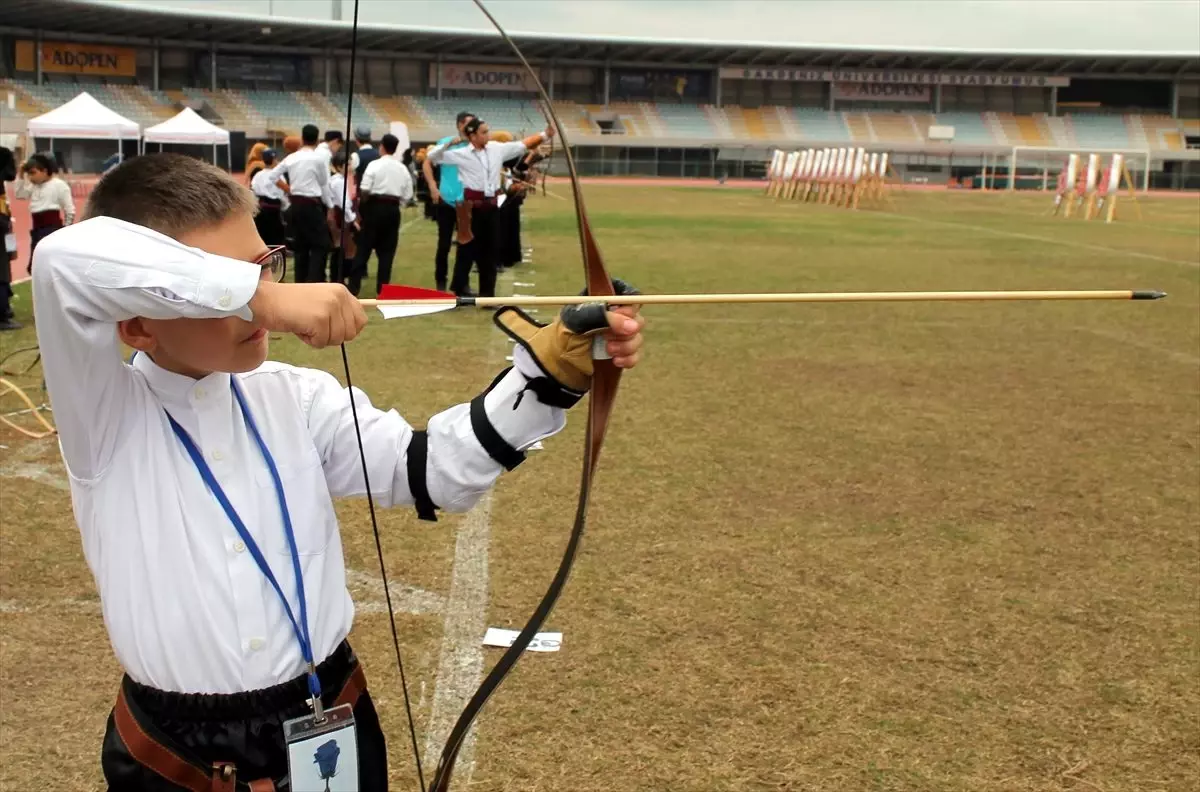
(562, 349)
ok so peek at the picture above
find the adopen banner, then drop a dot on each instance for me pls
(481, 77)
(69, 57)
(882, 92)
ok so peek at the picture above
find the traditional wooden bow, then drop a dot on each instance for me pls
(605, 379)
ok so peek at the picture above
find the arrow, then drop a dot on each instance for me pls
(403, 301)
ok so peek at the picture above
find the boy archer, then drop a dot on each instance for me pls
(202, 474)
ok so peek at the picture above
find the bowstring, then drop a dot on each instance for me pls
(362, 454)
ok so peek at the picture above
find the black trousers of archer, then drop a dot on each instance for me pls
(446, 223)
(380, 235)
(510, 231)
(480, 251)
(311, 244)
(269, 222)
(6, 311)
(245, 729)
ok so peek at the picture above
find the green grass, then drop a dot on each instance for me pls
(832, 547)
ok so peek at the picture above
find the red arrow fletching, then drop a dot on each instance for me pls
(400, 292)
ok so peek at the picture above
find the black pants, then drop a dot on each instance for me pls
(37, 235)
(311, 244)
(269, 222)
(510, 231)
(245, 729)
(6, 311)
(481, 251)
(380, 234)
(446, 222)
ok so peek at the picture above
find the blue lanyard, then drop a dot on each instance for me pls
(299, 627)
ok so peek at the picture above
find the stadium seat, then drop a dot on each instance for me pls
(969, 129)
(283, 113)
(685, 121)
(819, 126)
(1099, 131)
(1157, 132)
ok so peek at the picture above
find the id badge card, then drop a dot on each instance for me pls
(10, 243)
(323, 757)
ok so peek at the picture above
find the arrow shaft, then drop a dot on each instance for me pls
(799, 297)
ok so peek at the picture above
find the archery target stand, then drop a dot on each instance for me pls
(848, 178)
(1092, 192)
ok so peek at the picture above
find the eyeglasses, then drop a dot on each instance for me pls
(273, 263)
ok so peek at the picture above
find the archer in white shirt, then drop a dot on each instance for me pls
(386, 187)
(181, 576)
(50, 202)
(307, 172)
(479, 166)
(480, 163)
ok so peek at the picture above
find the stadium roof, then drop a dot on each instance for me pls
(95, 20)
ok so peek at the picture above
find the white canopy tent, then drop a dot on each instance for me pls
(187, 128)
(83, 117)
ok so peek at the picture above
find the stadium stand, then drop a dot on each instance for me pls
(284, 112)
(575, 117)
(818, 126)
(1022, 130)
(969, 128)
(685, 121)
(514, 116)
(1155, 132)
(1098, 131)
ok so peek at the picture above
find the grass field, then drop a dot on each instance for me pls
(919, 547)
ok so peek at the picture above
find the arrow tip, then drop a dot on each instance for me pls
(1149, 295)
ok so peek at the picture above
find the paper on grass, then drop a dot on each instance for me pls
(542, 642)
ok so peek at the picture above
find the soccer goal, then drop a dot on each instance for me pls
(1038, 167)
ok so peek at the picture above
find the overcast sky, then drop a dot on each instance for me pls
(1011, 25)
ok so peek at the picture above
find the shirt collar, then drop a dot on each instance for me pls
(175, 390)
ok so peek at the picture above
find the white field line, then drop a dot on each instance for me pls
(460, 663)
(367, 591)
(20, 464)
(1048, 240)
(1125, 338)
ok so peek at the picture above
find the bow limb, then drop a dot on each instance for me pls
(605, 380)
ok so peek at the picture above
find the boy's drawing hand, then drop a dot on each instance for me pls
(319, 314)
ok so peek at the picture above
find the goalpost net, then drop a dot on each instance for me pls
(1038, 167)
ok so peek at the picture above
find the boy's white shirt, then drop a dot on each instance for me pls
(264, 186)
(337, 189)
(186, 607)
(54, 193)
